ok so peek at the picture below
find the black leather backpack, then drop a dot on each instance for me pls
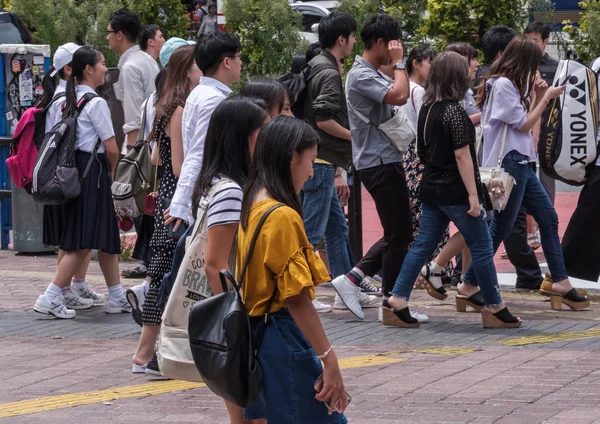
(221, 341)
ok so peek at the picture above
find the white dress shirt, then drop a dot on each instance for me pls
(199, 107)
(137, 71)
(93, 123)
(54, 114)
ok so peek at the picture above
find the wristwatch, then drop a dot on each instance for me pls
(400, 66)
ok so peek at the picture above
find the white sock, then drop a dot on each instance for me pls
(66, 290)
(116, 291)
(435, 268)
(53, 290)
(146, 284)
(79, 284)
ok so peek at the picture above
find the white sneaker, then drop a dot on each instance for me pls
(419, 317)
(136, 296)
(72, 301)
(349, 294)
(87, 293)
(321, 307)
(117, 305)
(366, 301)
(53, 305)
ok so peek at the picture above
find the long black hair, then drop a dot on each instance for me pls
(49, 84)
(83, 57)
(268, 89)
(271, 169)
(226, 148)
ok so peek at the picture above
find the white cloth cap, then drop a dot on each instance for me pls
(63, 56)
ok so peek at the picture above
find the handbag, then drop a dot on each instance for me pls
(220, 337)
(173, 352)
(498, 182)
(399, 130)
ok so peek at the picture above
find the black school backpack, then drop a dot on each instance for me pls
(56, 179)
(297, 84)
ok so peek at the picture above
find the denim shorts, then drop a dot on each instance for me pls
(290, 370)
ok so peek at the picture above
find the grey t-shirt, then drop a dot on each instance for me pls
(366, 87)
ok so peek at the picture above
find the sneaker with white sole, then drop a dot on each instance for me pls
(117, 305)
(87, 293)
(53, 305)
(366, 301)
(349, 294)
(321, 307)
(136, 296)
(72, 301)
(367, 287)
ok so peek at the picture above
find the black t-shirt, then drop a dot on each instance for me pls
(448, 129)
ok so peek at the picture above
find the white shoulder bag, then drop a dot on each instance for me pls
(398, 129)
(499, 183)
(191, 285)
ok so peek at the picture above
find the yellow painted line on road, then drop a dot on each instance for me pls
(50, 403)
(549, 338)
(434, 351)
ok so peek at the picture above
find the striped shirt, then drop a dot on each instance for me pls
(225, 206)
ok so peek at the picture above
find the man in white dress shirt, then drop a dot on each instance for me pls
(218, 57)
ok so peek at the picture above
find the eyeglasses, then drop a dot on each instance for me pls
(110, 31)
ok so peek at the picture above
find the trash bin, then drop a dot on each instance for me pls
(27, 222)
(22, 69)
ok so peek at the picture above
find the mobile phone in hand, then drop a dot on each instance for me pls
(319, 386)
(175, 235)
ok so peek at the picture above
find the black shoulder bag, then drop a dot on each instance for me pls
(221, 338)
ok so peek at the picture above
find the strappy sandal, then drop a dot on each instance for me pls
(572, 299)
(436, 293)
(400, 318)
(501, 319)
(533, 240)
(475, 301)
(504, 255)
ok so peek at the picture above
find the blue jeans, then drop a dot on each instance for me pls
(290, 370)
(529, 192)
(324, 217)
(434, 221)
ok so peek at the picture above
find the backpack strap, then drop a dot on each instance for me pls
(54, 99)
(80, 105)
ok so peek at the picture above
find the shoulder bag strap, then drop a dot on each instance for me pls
(54, 99)
(504, 127)
(412, 98)
(205, 204)
(357, 113)
(254, 239)
(80, 105)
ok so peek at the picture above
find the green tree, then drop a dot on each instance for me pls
(468, 20)
(586, 36)
(408, 12)
(269, 32)
(57, 22)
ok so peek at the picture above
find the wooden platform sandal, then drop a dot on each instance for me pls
(572, 299)
(501, 319)
(400, 318)
(475, 301)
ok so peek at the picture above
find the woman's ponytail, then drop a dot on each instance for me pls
(70, 106)
(49, 84)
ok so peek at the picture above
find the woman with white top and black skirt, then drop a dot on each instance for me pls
(89, 221)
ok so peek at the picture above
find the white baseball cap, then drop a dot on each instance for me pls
(63, 56)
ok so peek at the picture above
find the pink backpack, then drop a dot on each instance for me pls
(26, 141)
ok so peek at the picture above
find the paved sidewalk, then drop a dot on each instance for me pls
(449, 370)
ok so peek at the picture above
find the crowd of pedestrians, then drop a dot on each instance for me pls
(231, 158)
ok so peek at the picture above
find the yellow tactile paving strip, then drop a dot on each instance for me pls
(155, 388)
(550, 338)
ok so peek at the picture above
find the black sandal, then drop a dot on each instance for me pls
(501, 319)
(436, 293)
(475, 301)
(572, 299)
(400, 318)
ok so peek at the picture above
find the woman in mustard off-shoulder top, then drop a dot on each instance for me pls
(283, 262)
